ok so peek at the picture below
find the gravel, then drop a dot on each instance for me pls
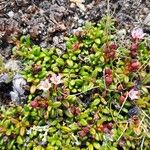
(48, 21)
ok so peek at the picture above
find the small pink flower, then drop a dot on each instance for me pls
(44, 85)
(137, 33)
(34, 104)
(56, 79)
(134, 94)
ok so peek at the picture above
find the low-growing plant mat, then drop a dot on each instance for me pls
(94, 95)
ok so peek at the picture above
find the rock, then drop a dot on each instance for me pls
(22, 2)
(80, 22)
(133, 111)
(18, 84)
(72, 5)
(121, 33)
(147, 20)
(4, 77)
(79, 4)
(145, 10)
(62, 46)
(10, 14)
(18, 94)
(61, 27)
(43, 44)
(55, 40)
(46, 19)
(14, 96)
(13, 65)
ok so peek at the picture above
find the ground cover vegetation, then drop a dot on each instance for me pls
(94, 95)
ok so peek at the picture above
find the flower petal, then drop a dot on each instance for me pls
(134, 94)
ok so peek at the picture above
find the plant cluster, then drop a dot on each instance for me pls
(95, 95)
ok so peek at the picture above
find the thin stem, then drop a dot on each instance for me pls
(107, 21)
(85, 91)
(123, 131)
(104, 80)
(147, 87)
(145, 114)
(142, 143)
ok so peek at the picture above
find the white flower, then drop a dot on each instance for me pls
(56, 79)
(134, 94)
(137, 33)
(44, 85)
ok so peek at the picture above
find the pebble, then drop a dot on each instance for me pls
(55, 40)
(133, 111)
(43, 44)
(147, 20)
(72, 5)
(10, 14)
(121, 33)
(12, 65)
(62, 16)
(145, 10)
(80, 22)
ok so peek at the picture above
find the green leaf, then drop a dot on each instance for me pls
(33, 113)
(98, 41)
(126, 79)
(68, 113)
(88, 87)
(70, 63)
(8, 132)
(19, 140)
(96, 145)
(92, 131)
(56, 69)
(36, 50)
(11, 143)
(66, 103)
(74, 126)
(95, 102)
(65, 56)
(90, 147)
(60, 61)
(22, 131)
(72, 82)
(65, 129)
(38, 148)
(71, 98)
(52, 129)
(144, 89)
(83, 122)
(94, 73)
(56, 104)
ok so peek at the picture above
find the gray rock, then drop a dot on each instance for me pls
(147, 20)
(18, 84)
(4, 77)
(121, 33)
(13, 65)
(14, 96)
(10, 14)
(17, 95)
(22, 2)
(55, 40)
(43, 44)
